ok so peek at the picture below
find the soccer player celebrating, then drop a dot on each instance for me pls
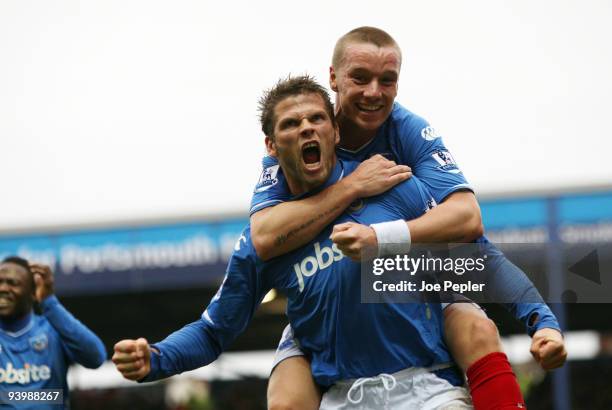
(367, 355)
(36, 350)
(364, 74)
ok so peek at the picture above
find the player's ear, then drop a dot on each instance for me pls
(333, 79)
(35, 284)
(271, 146)
(337, 131)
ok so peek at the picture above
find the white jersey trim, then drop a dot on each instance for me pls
(265, 204)
(356, 151)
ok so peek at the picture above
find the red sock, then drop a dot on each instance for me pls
(493, 385)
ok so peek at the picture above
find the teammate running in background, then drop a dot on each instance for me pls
(36, 350)
(387, 347)
(364, 74)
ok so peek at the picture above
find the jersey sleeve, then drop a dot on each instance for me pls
(80, 344)
(507, 282)
(228, 314)
(272, 188)
(421, 147)
(412, 198)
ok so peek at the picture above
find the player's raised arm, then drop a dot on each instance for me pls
(282, 228)
(201, 342)
(413, 198)
(457, 219)
(80, 344)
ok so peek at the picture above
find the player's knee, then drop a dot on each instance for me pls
(293, 400)
(282, 403)
(484, 336)
(282, 399)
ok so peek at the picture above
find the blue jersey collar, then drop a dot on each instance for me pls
(14, 327)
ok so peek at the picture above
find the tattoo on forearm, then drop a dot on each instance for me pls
(283, 238)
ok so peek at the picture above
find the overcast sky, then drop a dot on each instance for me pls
(137, 109)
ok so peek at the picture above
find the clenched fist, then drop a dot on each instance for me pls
(548, 348)
(353, 239)
(133, 358)
(43, 279)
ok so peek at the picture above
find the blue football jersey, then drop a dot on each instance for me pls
(343, 337)
(404, 138)
(408, 139)
(37, 356)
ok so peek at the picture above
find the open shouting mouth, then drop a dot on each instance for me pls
(311, 155)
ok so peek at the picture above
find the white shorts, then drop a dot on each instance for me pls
(409, 389)
(414, 388)
(287, 347)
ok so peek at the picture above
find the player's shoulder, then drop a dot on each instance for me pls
(410, 186)
(43, 335)
(41, 324)
(410, 128)
(413, 195)
(269, 174)
(400, 115)
(348, 166)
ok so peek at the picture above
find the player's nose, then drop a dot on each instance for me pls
(372, 89)
(306, 128)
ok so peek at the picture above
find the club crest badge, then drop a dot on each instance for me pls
(356, 205)
(39, 342)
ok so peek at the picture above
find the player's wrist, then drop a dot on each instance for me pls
(550, 332)
(393, 237)
(350, 188)
(154, 365)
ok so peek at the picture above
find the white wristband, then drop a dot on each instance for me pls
(393, 237)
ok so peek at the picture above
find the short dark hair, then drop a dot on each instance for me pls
(24, 264)
(289, 87)
(18, 261)
(365, 34)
